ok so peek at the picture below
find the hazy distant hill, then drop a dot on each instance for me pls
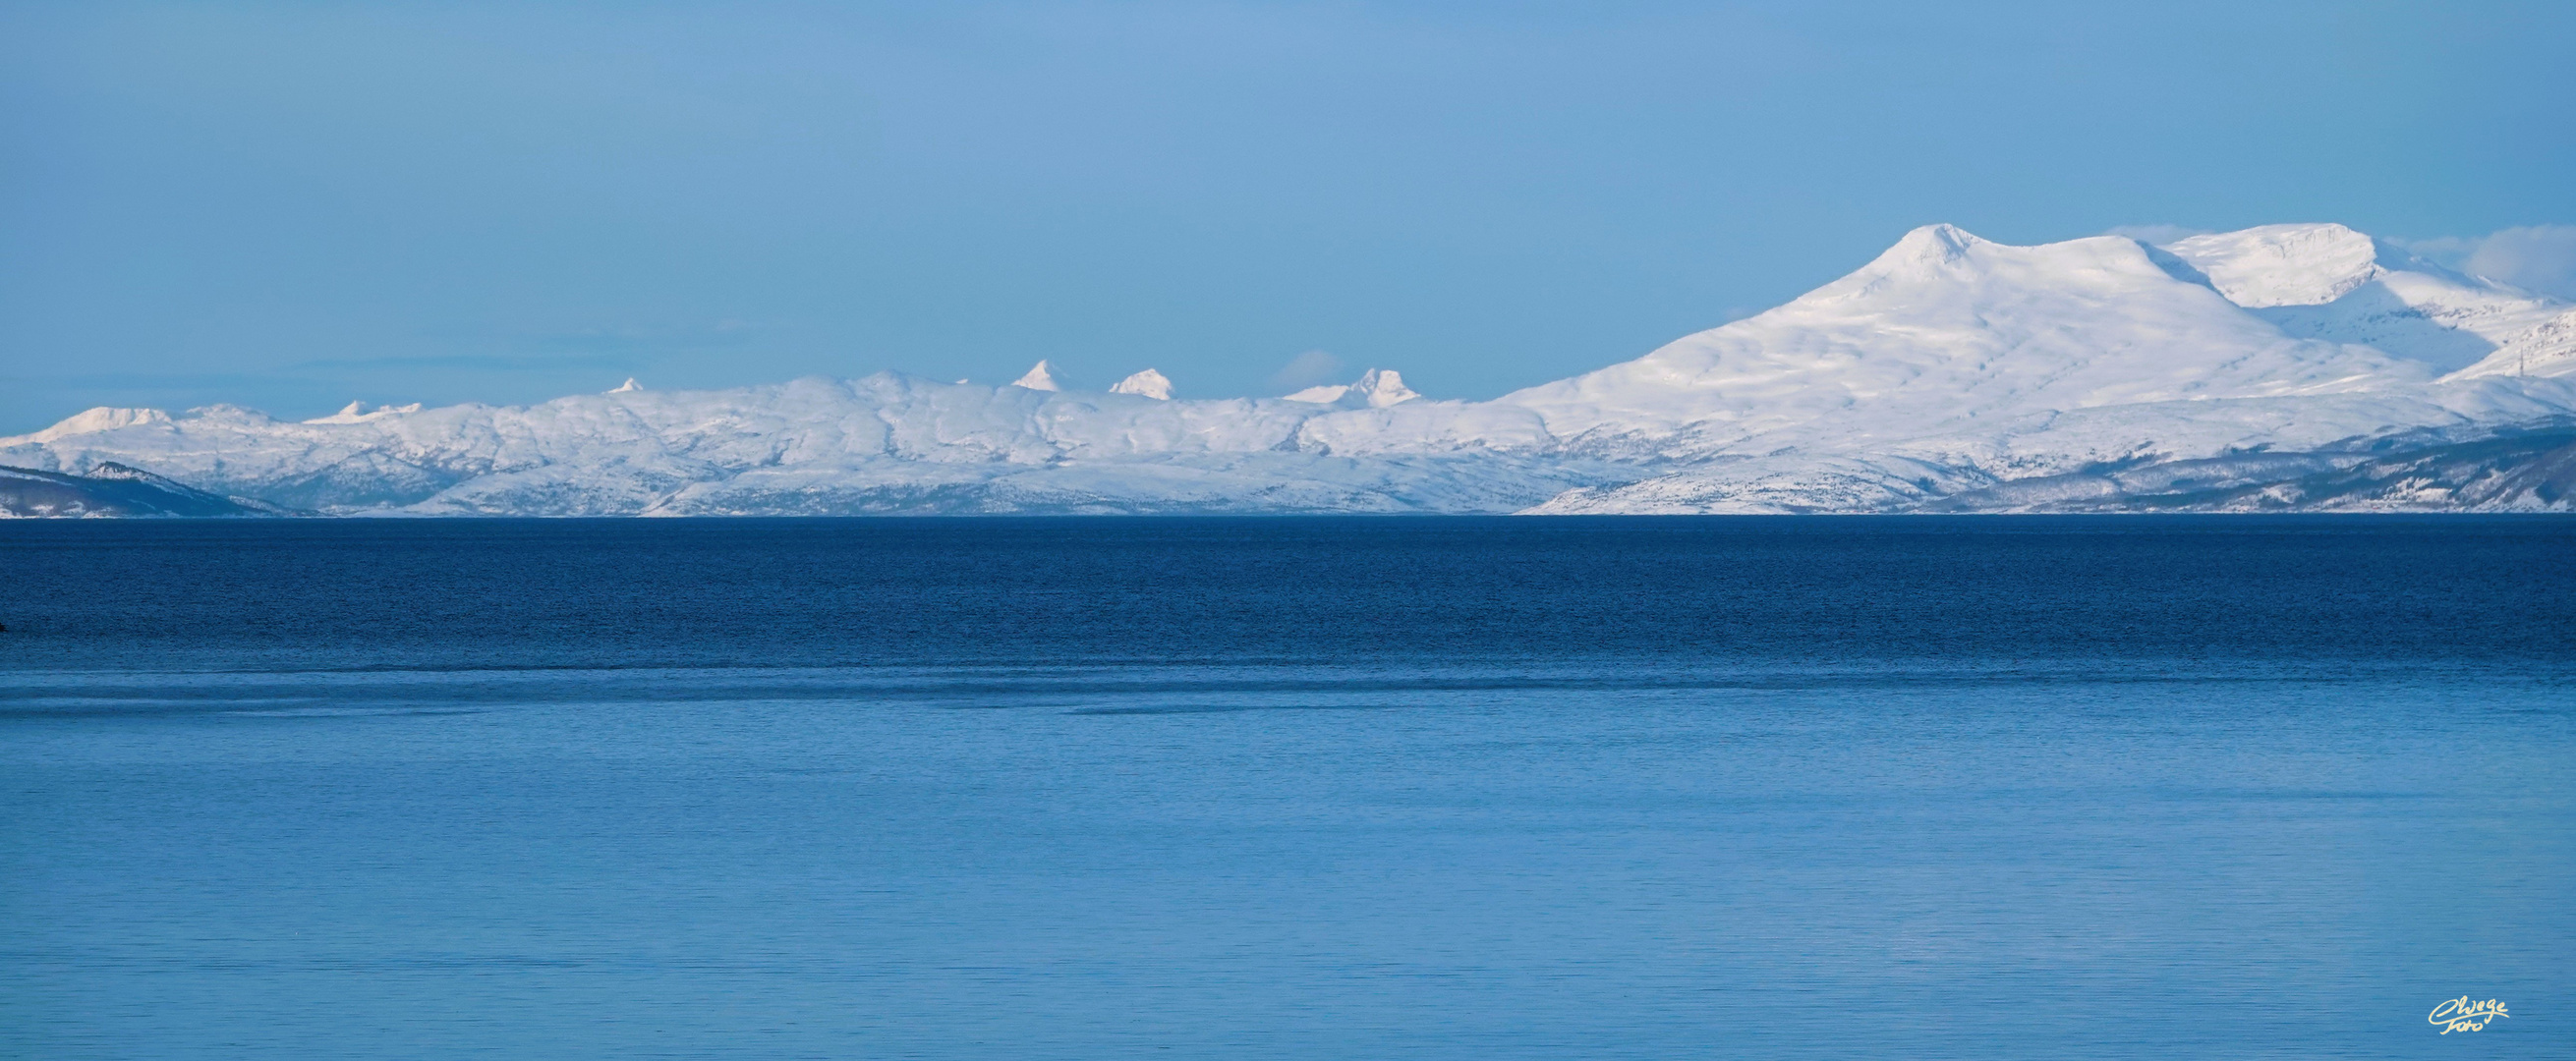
(2288, 367)
(113, 489)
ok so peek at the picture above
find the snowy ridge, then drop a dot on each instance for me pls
(1377, 388)
(884, 443)
(2267, 369)
(2332, 283)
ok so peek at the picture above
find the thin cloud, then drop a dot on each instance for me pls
(1307, 370)
(2536, 258)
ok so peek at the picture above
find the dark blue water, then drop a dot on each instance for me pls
(1974, 788)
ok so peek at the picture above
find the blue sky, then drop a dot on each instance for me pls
(292, 206)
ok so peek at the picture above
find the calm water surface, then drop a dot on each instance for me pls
(1096, 788)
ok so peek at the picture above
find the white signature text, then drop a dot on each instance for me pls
(2462, 1015)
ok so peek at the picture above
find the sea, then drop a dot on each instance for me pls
(997, 788)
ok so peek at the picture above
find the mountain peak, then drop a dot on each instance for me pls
(1949, 239)
(1148, 384)
(1937, 243)
(1929, 251)
(348, 414)
(1384, 387)
(1039, 377)
(102, 418)
(1377, 388)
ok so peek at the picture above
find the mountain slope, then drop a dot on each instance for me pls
(1947, 333)
(113, 489)
(2332, 283)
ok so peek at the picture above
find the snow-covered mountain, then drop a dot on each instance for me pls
(1951, 365)
(2283, 367)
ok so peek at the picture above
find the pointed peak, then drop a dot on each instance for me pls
(1384, 387)
(354, 412)
(1039, 377)
(1149, 384)
(1946, 239)
(1377, 388)
(628, 387)
(1926, 251)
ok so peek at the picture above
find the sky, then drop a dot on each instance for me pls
(294, 206)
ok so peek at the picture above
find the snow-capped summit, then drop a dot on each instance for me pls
(1927, 251)
(102, 418)
(628, 387)
(2287, 367)
(348, 414)
(1376, 388)
(1039, 377)
(1148, 384)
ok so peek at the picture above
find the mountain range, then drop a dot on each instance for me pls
(2283, 368)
